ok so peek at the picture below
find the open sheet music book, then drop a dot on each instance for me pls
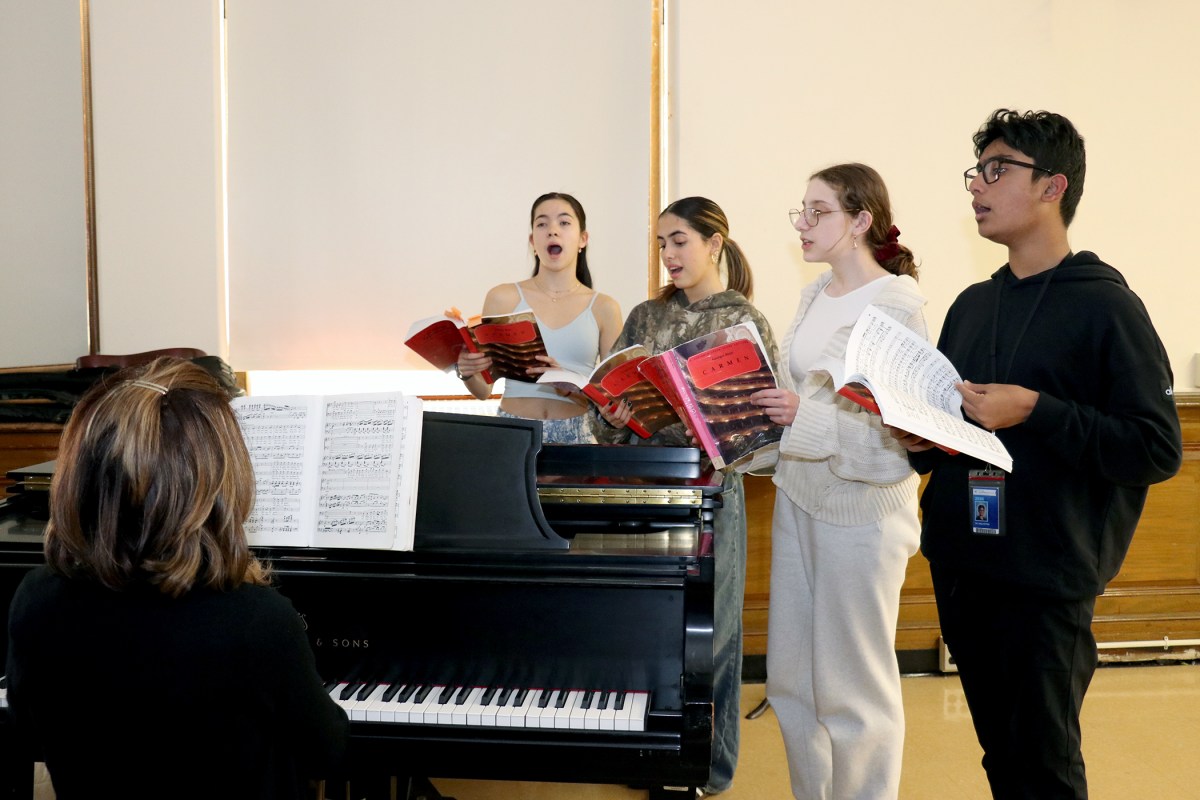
(708, 382)
(513, 341)
(911, 386)
(617, 378)
(333, 471)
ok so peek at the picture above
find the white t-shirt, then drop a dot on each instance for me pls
(824, 316)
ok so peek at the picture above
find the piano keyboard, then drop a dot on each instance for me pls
(489, 706)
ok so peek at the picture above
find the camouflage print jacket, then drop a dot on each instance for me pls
(659, 326)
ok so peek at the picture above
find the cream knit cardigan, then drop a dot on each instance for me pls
(836, 460)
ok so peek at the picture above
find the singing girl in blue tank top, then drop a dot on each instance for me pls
(577, 323)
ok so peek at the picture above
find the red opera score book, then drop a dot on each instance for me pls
(513, 341)
(710, 380)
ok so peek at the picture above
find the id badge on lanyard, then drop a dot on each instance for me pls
(986, 490)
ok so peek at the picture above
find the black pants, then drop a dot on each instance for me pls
(1025, 662)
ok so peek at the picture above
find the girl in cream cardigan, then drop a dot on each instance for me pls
(845, 521)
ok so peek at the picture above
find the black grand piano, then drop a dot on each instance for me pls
(553, 622)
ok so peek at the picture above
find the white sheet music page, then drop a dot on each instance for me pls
(360, 453)
(283, 439)
(913, 383)
(407, 473)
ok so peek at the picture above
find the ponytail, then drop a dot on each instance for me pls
(737, 266)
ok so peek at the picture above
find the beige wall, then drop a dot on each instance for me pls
(763, 94)
(769, 92)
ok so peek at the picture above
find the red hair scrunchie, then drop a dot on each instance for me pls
(892, 248)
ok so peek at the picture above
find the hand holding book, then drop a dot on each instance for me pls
(617, 387)
(511, 341)
(709, 381)
(913, 387)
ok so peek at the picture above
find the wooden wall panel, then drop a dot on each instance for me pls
(23, 444)
(1155, 596)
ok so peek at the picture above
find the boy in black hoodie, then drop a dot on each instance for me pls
(1062, 362)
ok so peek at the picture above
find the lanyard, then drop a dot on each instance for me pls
(1024, 327)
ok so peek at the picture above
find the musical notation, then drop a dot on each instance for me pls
(329, 470)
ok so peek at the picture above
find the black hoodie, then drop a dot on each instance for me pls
(1104, 427)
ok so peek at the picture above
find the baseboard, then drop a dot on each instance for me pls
(912, 662)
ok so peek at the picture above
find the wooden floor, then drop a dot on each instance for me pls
(1141, 737)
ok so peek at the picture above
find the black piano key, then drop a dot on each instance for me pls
(485, 699)
(620, 704)
(603, 704)
(561, 702)
(349, 691)
(586, 701)
(446, 695)
(392, 691)
(544, 698)
(328, 685)
(366, 690)
(502, 698)
(460, 698)
(519, 697)
(422, 693)
(407, 692)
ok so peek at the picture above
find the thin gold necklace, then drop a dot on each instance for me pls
(555, 297)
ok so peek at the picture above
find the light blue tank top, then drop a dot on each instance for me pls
(575, 346)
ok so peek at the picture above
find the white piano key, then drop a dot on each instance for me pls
(336, 693)
(562, 716)
(520, 717)
(374, 707)
(637, 714)
(504, 710)
(591, 718)
(482, 710)
(426, 712)
(461, 711)
(407, 708)
(608, 716)
(578, 716)
(443, 706)
(534, 710)
(622, 717)
(386, 709)
(356, 708)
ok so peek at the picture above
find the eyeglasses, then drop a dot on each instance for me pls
(811, 215)
(993, 168)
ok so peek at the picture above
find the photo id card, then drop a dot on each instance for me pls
(986, 488)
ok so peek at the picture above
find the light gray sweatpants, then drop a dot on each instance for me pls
(832, 676)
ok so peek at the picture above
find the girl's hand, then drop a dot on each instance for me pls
(617, 413)
(778, 404)
(547, 363)
(471, 364)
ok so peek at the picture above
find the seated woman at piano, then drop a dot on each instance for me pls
(149, 657)
(693, 239)
(577, 323)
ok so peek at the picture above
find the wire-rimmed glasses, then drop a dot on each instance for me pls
(811, 215)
